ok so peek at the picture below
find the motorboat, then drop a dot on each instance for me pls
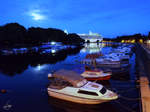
(96, 74)
(20, 50)
(107, 62)
(119, 56)
(88, 61)
(70, 86)
(6, 52)
(93, 55)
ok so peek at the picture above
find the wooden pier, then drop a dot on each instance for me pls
(145, 94)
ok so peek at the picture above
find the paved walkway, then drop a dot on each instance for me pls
(146, 48)
(144, 73)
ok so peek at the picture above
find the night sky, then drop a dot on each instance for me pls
(108, 17)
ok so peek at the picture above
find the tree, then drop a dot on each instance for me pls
(12, 33)
(74, 38)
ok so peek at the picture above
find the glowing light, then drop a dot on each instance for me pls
(122, 41)
(148, 41)
(132, 41)
(53, 51)
(53, 43)
(40, 67)
(141, 40)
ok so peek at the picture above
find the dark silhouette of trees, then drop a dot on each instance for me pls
(148, 37)
(13, 33)
(128, 38)
(39, 35)
(74, 38)
(88, 41)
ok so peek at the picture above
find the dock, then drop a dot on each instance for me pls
(145, 94)
(143, 58)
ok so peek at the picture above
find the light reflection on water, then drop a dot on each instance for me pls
(27, 87)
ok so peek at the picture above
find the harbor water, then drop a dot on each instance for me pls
(24, 76)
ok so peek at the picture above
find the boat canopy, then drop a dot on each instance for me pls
(72, 77)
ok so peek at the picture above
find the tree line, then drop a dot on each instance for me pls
(129, 38)
(14, 33)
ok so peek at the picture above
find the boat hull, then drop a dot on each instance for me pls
(108, 65)
(98, 78)
(75, 99)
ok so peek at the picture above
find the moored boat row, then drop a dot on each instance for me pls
(117, 57)
(78, 88)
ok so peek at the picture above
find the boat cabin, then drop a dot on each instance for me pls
(93, 93)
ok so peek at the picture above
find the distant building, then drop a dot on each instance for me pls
(91, 37)
(65, 31)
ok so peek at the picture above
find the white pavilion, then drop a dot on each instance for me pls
(92, 37)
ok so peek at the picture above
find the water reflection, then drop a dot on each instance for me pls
(65, 106)
(16, 64)
(28, 91)
(92, 48)
(40, 67)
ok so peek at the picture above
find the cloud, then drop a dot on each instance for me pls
(37, 15)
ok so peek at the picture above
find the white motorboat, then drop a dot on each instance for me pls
(70, 86)
(119, 56)
(6, 52)
(103, 61)
(108, 61)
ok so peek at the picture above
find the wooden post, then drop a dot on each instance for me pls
(145, 94)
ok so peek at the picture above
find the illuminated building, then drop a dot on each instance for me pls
(91, 37)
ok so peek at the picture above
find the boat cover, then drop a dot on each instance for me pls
(75, 79)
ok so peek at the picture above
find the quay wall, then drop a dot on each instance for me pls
(143, 57)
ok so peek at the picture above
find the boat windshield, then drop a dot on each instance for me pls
(87, 92)
(103, 90)
(81, 83)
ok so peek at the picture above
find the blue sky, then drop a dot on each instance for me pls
(110, 18)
